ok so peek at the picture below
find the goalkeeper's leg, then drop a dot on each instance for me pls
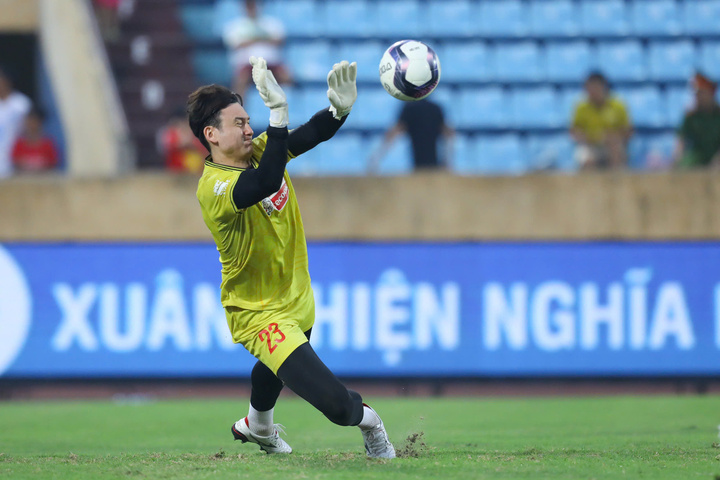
(311, 379)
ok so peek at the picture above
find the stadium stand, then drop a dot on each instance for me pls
(656, 17)
(554, 18)
(511, 70)
(567, 61)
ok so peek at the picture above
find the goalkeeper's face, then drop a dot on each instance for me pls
(233, 137)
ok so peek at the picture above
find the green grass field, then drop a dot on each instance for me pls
(554, 438)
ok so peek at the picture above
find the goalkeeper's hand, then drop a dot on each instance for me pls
(270, 92)
(342, 91)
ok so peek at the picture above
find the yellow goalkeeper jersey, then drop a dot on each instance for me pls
(262, 248)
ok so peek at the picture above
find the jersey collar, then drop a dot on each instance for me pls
(209, 163)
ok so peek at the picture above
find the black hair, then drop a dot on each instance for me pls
(204, 106)
(597, 76)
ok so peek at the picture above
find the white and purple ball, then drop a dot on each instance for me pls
(409, 70)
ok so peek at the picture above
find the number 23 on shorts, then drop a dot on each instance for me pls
(272, 335)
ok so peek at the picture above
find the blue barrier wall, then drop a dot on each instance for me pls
(491, 309)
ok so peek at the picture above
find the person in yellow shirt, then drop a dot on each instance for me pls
(249, 205)
(600, 126)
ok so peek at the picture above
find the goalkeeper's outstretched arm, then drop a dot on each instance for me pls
(320, 128)
(342, 93)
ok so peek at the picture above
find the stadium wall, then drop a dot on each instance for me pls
(421, 207)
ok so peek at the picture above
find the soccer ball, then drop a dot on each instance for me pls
(409, 70)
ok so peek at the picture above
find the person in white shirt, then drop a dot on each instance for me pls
(14, 106)
(255, 35)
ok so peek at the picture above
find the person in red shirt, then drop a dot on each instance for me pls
(182, 151)
(34, 151)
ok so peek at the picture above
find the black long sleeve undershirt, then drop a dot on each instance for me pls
(261, 182)
(320, 128)
(257, 183)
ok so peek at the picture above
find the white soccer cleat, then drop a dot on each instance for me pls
(377, 443)
(270, 444)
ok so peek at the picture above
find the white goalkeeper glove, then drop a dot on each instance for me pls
(270, 92)
(342, 91)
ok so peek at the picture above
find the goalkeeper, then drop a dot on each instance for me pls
(248, 202)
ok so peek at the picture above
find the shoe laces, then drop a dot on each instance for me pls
(376, 439)
(279, 428)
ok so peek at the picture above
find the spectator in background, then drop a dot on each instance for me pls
(699, 135)
(182, 151)
(13, 108)
(424, 122)
(34, 151)
(600, 126)
(255, 35)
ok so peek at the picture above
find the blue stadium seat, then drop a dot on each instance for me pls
(567, 61)
(483, 107)
(468, 61)
(500, 155)
(397, 160)
(198, 22)
(518, 62)
(374, 108)
(258, 112)
(310, 101)
(535, 107)
(344, 155)
(678, 101)
(671, 60)
(645, 106)
(604, 17)
(309, 61)
(623, 60)
(366, 54)
(305, 165)
(300, 17)
(212, 66)
(464, 161)
(710, 59)
(503, 19)
(550, 152)
(652, 151)
(347, 18)
(551, 18)
(398, 18)
(636, 152)
(702, 16)
(656, 17)
(569, 99)
(658, 151)
(451, 17)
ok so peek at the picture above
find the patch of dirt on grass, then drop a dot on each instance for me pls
(413, 447)
(219, 455)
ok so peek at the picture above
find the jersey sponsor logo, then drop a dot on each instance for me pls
(277, 200)
(15, 310)
(220, 187)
